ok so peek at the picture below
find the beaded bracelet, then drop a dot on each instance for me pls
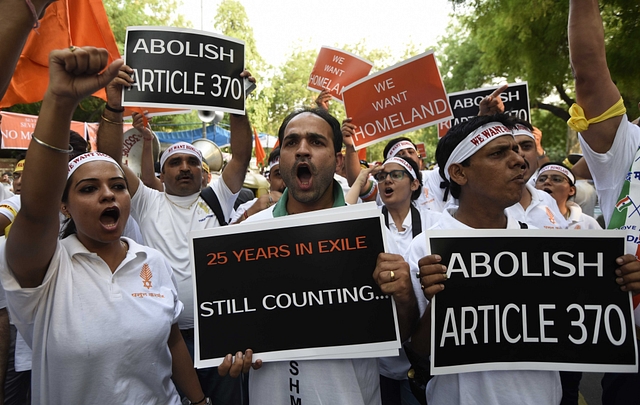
(53, 148)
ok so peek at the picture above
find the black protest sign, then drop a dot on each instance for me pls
(466, 104)
(290, 284)
(184, 68)
(531, 300)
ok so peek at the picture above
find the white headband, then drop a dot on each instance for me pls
(398, 147)
(89, 157)
(522, 130)
(180, 147)
(276, 161)
(474, 142)
(558, 169)
(403, 163)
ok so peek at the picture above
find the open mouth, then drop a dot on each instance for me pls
(304, 175)
(388, 191)
(547, 190)
(109, 217)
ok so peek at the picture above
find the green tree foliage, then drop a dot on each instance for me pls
(128, 13)
(231, 20)
(493, 41)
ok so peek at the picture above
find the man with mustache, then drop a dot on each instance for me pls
(166, 218)
(310, 141)
(482, 164)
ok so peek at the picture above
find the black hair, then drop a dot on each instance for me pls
(78, 143)
(415, 193)
(324, 114)
(457, 134)
(392, 142)
(515, 120)
(274, 155)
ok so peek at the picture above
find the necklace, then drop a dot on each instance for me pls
(180, 206)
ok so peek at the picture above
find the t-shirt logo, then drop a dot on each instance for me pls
(146, 275)
(552, 219)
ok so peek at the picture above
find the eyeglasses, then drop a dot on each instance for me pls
(556, 178)
(396, 175)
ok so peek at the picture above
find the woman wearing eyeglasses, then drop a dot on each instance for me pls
(399, 185)
(559, 181)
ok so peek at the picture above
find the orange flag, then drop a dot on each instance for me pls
(66, 23)
(260, 154)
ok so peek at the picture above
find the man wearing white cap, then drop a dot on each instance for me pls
(536, 207)
(165, 218)
(481, 163)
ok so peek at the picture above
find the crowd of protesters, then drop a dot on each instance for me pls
(84, 234)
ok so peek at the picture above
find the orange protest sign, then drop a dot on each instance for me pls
(17, 129)
(335, 69)
(422, 151)
(402, 98)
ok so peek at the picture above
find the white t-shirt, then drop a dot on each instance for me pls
(314, 382)
(542, 213)
(10, 207)
(165, 226)
(610, 169)
(242, 208)
(486, 387)
(403, 239)
(98, 336)
(578, 220)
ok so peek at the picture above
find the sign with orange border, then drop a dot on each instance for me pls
(335, 69)
(17, 129)
(402, 98)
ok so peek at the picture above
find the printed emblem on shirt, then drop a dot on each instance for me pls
(146, 275)
(552, 219)
(627, 202)
(426, 195)
(633, 176)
